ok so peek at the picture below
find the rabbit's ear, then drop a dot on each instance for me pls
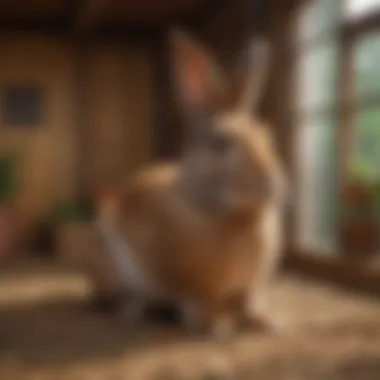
(252, 75)
(197, 75)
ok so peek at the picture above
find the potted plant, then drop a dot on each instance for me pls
(359, 226)
(80, 244)
(72, 221)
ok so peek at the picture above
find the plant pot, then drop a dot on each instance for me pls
(358, 193)
(359, 238)
(81, 249)
(359, 227)
(72, 221)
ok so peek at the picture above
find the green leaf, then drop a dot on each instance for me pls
(361, 169)
(72, 211)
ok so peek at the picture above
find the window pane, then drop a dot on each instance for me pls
(366, 144)
(359, 8)
(318, 17)
(318, 196)
(367, 72)
(318, 77)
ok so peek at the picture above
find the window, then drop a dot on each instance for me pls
(22, 106)
(365, 98)
(338, 111)
(366, 54)
(317, 100)
(358, 8)
(317, 140)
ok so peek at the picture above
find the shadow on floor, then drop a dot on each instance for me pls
(63, 334)
(70, 331)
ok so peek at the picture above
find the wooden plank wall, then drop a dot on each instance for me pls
(45, 153)
(116, 118)
(113, 132)
(119, 111)
(228, 30)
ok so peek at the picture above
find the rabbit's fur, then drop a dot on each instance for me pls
(204, 231)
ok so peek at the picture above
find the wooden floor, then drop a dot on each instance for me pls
(46, 332)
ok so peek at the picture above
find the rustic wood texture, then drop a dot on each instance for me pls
(116, 118)
(45, 152)
(119, 112)
(31, 9)
(150, 11)
(87, 15)
(82, 12)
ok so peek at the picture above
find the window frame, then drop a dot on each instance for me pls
(346, 32)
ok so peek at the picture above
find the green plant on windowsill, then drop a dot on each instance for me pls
(360, 170)
(360, 224)
(359, 188)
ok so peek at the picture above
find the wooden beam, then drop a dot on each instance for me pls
(86, 16)
(54, 28)
(202, 14)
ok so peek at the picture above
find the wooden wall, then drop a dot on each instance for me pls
(100, 119)
(120, 118)
(101, 139)
(45, 153)
(228, 30)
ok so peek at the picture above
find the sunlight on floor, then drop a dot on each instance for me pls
(47, 333)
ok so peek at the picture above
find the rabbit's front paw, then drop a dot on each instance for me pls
(261, 323)
(206, 322)
(219, 329)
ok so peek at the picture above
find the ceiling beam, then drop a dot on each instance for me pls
(203, 13)
(86, 16)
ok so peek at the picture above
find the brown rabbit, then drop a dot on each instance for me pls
(204, 232)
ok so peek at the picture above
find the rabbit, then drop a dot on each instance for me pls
(204, 232)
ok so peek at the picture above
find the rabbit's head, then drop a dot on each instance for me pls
(229, 161)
